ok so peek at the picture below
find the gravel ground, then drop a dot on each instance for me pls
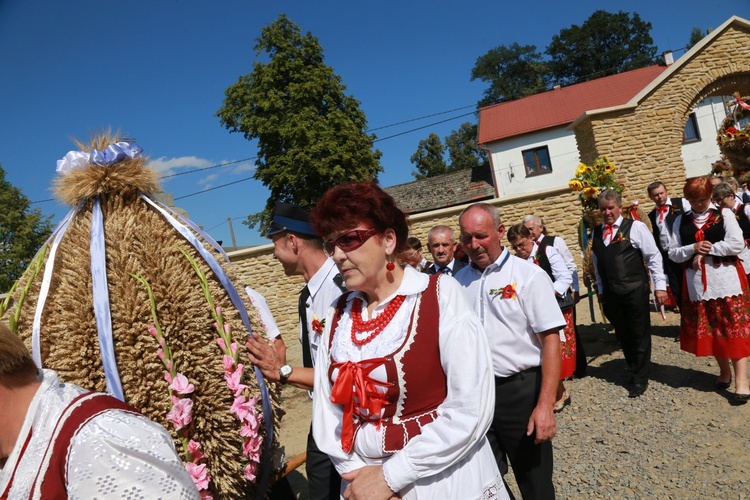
(681, 439)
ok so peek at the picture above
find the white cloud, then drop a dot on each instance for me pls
(168, 166)
(207, 181)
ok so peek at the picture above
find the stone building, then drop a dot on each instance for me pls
(643, 137)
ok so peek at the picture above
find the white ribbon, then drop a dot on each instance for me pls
(114, 153)
(101, 302)
(36, 343)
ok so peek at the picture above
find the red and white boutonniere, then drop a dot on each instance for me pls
(318, 325)
(618, 238)
(507, 292)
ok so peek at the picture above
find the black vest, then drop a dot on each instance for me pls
(620, 264)
(675, 209)
(541, 257)
(743, 221)
(713, 233)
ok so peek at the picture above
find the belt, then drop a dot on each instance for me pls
(522, 374)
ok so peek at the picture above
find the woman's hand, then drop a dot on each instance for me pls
(367, 483)
(697, 261)
(702, 247)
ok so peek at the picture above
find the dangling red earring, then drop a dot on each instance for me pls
(390, 266)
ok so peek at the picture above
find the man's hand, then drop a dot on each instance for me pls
(661, 297)
(265, 358)
(542, 424)
(367, 483)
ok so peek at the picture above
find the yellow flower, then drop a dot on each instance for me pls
(591, 192)
(609, 168)
(582, 169)
(741, 136)
(575, 185)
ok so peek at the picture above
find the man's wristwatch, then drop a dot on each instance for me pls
(284, 373)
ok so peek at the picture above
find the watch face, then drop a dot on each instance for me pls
(285, 371)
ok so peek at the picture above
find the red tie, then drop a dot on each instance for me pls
(662, 211)
(608, 230)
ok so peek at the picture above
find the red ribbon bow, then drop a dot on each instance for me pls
(609, 229)
(662, 212)
(354, 389)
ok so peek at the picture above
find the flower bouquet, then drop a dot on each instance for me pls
(733, 137)
(590, 180)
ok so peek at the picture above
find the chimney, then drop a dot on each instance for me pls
(668, 57)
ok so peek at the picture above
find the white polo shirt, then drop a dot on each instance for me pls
(511, 321)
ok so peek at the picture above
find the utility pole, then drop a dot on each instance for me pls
(231, 232)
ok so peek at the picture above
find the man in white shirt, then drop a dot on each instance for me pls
(300, 252)
(620, 248)
(442, 246)
(535, 225)
(515, 300)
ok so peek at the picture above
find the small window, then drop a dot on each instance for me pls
(536, 161)
(691, 132)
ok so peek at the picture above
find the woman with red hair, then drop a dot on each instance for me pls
(716, 297)
(404, 389)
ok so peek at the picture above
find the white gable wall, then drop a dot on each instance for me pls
(507, 162)
(510, 174)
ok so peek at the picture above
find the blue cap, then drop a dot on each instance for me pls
(288, 217)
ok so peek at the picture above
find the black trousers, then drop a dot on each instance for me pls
(674, 273)
(323, 482)
(515, 399)
(630, 315)
(581, 362)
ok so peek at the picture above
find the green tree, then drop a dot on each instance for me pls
(605, 44)
(696, 35)
(22, 232)
(512, 72)
(429, 158)
(463, 150)
(310, 135)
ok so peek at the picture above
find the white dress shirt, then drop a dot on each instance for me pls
(567, 257)
(323, 292)
(512, 324)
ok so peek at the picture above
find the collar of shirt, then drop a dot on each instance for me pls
(326, 270)
(449, 266)
(616, 225)
(412, 282)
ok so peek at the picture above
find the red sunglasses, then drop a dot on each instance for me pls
(349, 241)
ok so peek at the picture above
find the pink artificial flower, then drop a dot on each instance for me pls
(194, 448)
(221, 342)
(249, 472)
(168, 377)
(233, 348)
(206, 495)
(233, 380)
(181, 413)
(153, 331)
(249, 425)
(228, 363)
(251, 448)
(199, 475)
(169, 364)
(227, 328)
(160, 353)
(239, 408)
(181, 384)
(161, 341)
(218, 310)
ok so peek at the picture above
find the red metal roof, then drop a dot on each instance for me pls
(559, 107)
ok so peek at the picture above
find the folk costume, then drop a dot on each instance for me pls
(77, 444)
(716, 300)
(620, 251)
(413, 395)
(662, 219)
(515, 301)
(552, 263)
(742, 214)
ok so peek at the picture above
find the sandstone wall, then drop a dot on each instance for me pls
(257, 268)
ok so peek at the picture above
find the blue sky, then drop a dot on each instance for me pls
(157, 70)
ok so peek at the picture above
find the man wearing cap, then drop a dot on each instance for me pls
(300, 252)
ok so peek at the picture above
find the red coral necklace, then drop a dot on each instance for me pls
(374, 325)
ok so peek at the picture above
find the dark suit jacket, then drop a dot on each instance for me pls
(457, 266)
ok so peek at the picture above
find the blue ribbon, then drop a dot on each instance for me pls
(101, 302)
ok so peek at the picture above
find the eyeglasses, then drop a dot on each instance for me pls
(520, 245)
(719, 199)
(349, 241)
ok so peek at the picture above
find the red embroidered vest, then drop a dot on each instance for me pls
(415, 363)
